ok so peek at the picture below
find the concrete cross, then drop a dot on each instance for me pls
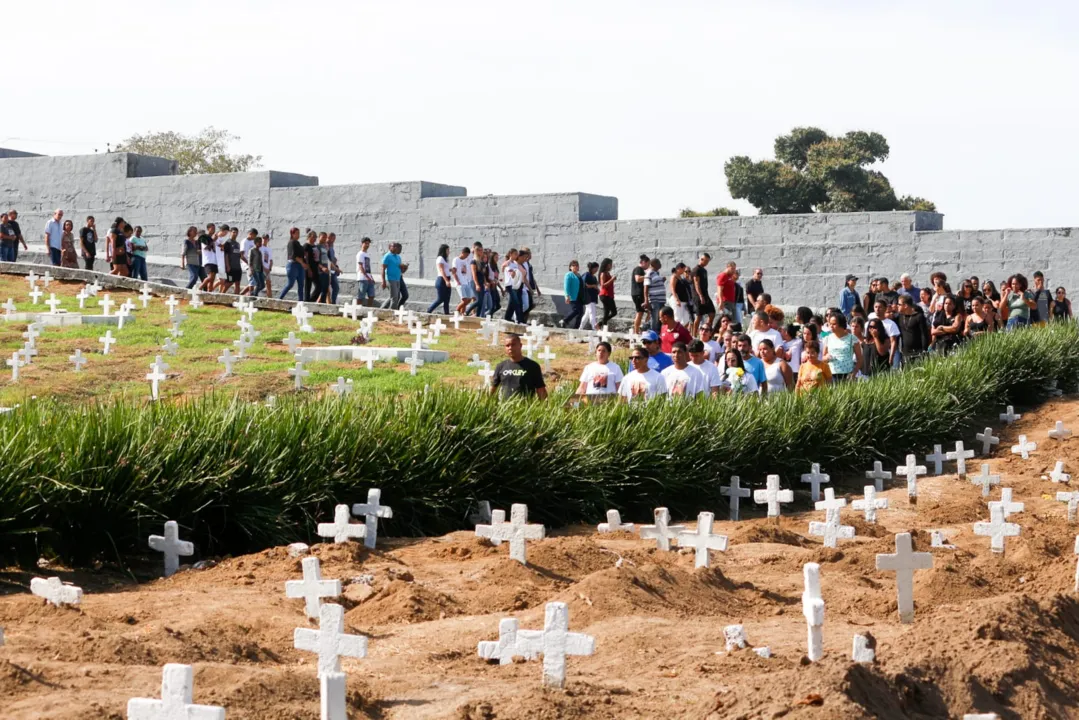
(250, 310)
(985, 479)
(401, 314)
(53, 302)
(195, 300)
(516, 532)
(831, 505)
(145, 295)
(861, 652)
(988, 440)
(299, 373)
(1059, 432)
(107, 341)
(342, 387)
(56, 592)
(605, 334)
(32, 278)
(330, 641)
(937, 539)
(912, 470)
(341, 530)
(122, 314)
(172, 304)
(93, 288)
(78, 360)
(365, 329)
(302, 315)
(46, 278)
(475, 361)
(702, 540)
(870, 504)
(1010, 416)
(371, 318)
(81, 296)
(1057, 474)
(997, 528)
(129, 304)
(937, 458)
(903, 563)
(155, 376)
(240, 304)
(529, 346)
(226, 358)
(547, 356)
(28, 352)
(250, 335)
(244, 325)
(960, 455)
(9, 306)
(878, 475)
(831, 530)
(35, 294)
(1024, 448)
(176, 320)
(33, 332)
(512, 642)
(177, 692)
(438, 326)
(242, 346)
(815, 478)
(371, 511)
(734, 638)
(169, 346)
(813, 611)
(614, 523)
(332, 701)
(15, 363)
(312, 588)
(419, 331)
(172, 546)
(414, 361)
(456, 320)
(1072, 498)
(1010, 506)
(661, 530)
(773, 496)
(368, 357)
(735, 491)
(558, 642)
(487, 374)
(350, 310)
(497, 517)
(293, 342)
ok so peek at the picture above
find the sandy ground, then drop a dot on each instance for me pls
(991, 633)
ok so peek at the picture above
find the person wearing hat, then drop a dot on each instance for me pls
(848, 299)
(657, 359)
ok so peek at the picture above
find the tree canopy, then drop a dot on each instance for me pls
(714, 212)
(815, 172)
(205, 152)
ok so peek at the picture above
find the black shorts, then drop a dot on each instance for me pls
(235, 275)
(210, 268)
(638, 303)
(707, 307)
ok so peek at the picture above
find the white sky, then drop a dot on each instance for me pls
(638, 99)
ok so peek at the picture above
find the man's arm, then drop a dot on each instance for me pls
(697, 286)
(541, 393)
(384, 276)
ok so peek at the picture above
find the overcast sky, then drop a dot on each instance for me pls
(642, 100)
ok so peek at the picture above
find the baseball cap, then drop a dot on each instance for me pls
(649, 336)
(851, 277)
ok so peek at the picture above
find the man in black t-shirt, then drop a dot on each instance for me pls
(755, 288)
(518, 375)
(14, 231)
(88, 243)
(636, 292)
(699, 299)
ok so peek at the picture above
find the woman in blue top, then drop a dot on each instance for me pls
(842, 351)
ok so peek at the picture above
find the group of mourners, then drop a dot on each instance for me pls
(125, 247)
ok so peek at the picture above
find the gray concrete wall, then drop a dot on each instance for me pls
(804, 257)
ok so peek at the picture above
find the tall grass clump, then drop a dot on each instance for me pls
(95, 480)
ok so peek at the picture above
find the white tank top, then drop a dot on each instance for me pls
(774, 376)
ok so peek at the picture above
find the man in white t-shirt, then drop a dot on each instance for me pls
(712, 348)
(267, 262)
(365, 281)
(461, 280)
(683, 379)
(698, 358)
(642, 382)
(602, 376)
(762, 329)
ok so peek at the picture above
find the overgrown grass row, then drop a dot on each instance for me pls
(94, 481)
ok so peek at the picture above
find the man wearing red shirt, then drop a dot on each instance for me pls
(725, 290)
(671, 331)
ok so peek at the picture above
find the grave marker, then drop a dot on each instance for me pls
(861, 651)
(487, 374)
(196, 299)
(870, 504)
(1072, 498)
(107, 341)
(734, 638)
(937, 540)
(438, 326)
(9, 306)
(661, 531)
(1059, 432)
(512, 642)
(341, 530)
(878, 475)
(299, 373)
(122, 314)
(614, 523)
(81, 297)
(813, 610)
(773, 496)
(227, 360)
(28, 352)
(456, 320)
(312, 588)
(516, 532)
(56, 592)
(985, 479)
(35, 295)
(498, 517)
(997, 529)
(831, 529)
(78, 360)
(15, 363)
(93, 288)
(293, 342)
(155, 376)
(735, 491)
(53, 302)
(414, 361)
(1024, 448)
(815, 478)
(555, 642)
(960, 455)
(368, 357)
(332, 701)
(250, 311)
(547, 356)
(371, 511)
(702, 540)
(988, 440)
(171, 546)
(1010, 506)
(177, 691)
(32, 278)
(342, 388)
(172, 303)
(911, 470)
(145, 295)
(1010, 416)
(937, 458)
(46, 278)
(401, 313)
(330, 641)
(170, 347)
(903, 563)
(1058, 475)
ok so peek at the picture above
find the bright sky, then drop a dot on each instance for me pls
(638, 99)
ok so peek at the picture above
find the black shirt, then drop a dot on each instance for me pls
(310, 256)
(7, 229)
(15, 229)
(636, 288)
(754, 288)
(89, 239)
(513, 379)
(295, 250)
(701, 274)
(913, 331)
(232, 247)
(591, 293)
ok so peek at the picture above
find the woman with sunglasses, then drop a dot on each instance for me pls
(1060, 307)
(641, 382)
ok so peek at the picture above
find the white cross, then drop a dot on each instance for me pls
(35, 294)
(243, 324)
(486, 373)
(475, 361)
(937, 458)
(494, 334)
(9, 306)
(438, 326)
(93, 288)
(312, 588)
(419, 331)
(1057, 474)
(33, 332)
(997, 528)
(516, 532)
(226, 359)
(1059, 432)
(81, 297)
(937, 540)
(371, 511)
(32, 278)
(341, 529)
(860, 650)
(813, 610)
(831, 505)
(831, 530)
(15, 363)
(912, 470)
(172, 546)
(1024, 448)
(456, 320)
(196, 298)
(53, 302)
(170, 347)
(299, 373)
(371, 318)
(293, 342)
(368, 357)
(414, 361)
(988, 440)
(177, 691)
(251, 335)
(1010, 506)
(878, 475)
(240, 304)
(56, 592)
(960, 455)
(903, 563)
(555, 643)
(108, 340)
(735, 491)
(350, 310)
(547, 356)
(661, 531)
(605, 334)
(401, 314)
(773, 496)
(242, 346)
(815, 478)
(614, 523)
(330, 641)
(342, 387)
(145, 295)
(870, 503)
(365, 329)
(1010, 416)
(512, 642)
(176, 320)
(28, 352)
(46, 278)
(78, 359)
(1072, 498)
(986, 480)
(250, 311)
(529, 346)
(702, 540)
(122, 314)
(172, 304)
(155, 376)
(497, 517)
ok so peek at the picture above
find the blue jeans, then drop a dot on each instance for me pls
(296, 276)
(1017, 321)
(513, 306)
(478, 303)
(442, 296)
(54, 255)
(258, 280)
(365, 289)
(323, 286)
(492, 302)
(195, 275)
(7, 253)
(138, 267)
(335, 288)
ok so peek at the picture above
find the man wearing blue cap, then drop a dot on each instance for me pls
(657, 360)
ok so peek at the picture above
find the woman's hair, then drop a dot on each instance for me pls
(792, 330)
(858, 323)
(876, 324)
(767, 342)
(803, 315)
(774, 314)
(1061, 290)
(738, 358)
(814, 331)
(839, 318)
(592, 266)
(937, 276)
(312, 234)
(926, 291)
(605, 265)
(68, 222)
(812, 345)
(192, 230)
(956, 305)
(992, 288)
(1021, 279)
(444, 251)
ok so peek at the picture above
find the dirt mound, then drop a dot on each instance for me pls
(403, 602)
(763, 531)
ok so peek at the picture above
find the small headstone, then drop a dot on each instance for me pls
(864, 650)
(1058, 475)
(997, 529)
(735, 491)
(614, 524)
(299, 374)
(815, 478)
(773, 496)
(371, 511)
(177, 692)
(813, 611)
(985, 479)
(298, 549)
(702, 540)
(1059, 432)
(878, 475)
(56, 592)
(1024, 447)
(735, 638)
(937, 458)
(172, 546)
(342, 387)
(903, 563)
(960, 455)
(172, 303)
(341, 530)
(330, 641)
(312, 588)
(764, 652)
(1072, 498)
(78, 360)
(516, 532)
(870, 504)
(1010, 416)
(911, 471)
(107, 341)
(661, 531)
(937, 539)
(988, 440)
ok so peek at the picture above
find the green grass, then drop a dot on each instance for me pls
(92, 480)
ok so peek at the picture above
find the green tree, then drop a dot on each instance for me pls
(205, 152)
(714, 212)
(815, 172)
